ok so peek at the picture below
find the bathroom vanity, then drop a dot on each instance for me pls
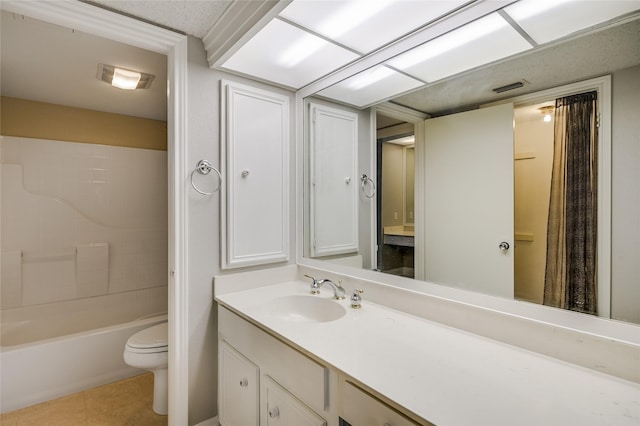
(289, 357)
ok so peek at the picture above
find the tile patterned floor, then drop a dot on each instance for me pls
(124, 403)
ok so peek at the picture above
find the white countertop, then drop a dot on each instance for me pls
(444, 375)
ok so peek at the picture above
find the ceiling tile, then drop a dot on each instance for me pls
(365, 25)
(545, 21)
(478, 43)
(371, 86)
(284, 54)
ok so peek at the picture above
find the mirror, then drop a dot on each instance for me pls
(610, 50)
(409, 184)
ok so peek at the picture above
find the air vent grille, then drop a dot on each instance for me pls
(510, 86)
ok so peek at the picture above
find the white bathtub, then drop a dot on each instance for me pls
(64, 360)
(40, 371)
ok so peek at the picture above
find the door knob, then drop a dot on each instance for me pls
(504, 246)
(274, 413)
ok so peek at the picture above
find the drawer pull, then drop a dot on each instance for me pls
(274, 413)
(244, 383)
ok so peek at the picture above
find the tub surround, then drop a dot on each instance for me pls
(80, 220)
(441, 374)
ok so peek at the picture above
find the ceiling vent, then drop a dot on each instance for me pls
(511, 86)
(123, 78)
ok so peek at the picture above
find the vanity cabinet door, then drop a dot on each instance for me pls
(362, 409)
(283, 409)
(238, 389)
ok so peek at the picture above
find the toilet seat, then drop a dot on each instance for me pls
(150, 340)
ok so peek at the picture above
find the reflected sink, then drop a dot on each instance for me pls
(299, 308)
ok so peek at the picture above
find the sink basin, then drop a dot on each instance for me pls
(299, 308)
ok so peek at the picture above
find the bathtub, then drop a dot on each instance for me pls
(36, 366)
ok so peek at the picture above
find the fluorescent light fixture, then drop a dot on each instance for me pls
(124, 78)
(475, 44)
(526, 9)
(366, 25)
(450, 41)
(287, 55)
(352, 14)
(369, 77)
(305, 46)
(548, 20)
(370, 87)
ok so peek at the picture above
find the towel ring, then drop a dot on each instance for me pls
(366, 179)
(204, 168)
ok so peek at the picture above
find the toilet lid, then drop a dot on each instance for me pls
(152, 337)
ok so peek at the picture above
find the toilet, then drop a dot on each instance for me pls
(148, 349)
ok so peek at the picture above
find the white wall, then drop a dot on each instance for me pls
(204, 226)
(625, 196)
(392, 184)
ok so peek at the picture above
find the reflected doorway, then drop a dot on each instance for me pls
(533, 159)
(395, 202)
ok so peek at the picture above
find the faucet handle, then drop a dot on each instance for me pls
(356, 299)
(315, 286)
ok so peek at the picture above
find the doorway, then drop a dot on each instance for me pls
(533, 158)
(82, 17)
(395, 164)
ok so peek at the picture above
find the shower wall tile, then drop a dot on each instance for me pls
(19, 211)
(61, 195)
(92, 269)
(11, 279)
(48, 281)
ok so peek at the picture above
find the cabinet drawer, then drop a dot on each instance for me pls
(301, 375)
(283, 409)
(238, 388)
(362, 409)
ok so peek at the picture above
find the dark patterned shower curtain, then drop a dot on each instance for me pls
(570, 277)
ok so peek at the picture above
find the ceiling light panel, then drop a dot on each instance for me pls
(365, 25)
(478, 43)
(548, 20)
(371, 86)
(286, 55)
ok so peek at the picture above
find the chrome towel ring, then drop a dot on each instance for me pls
(364, 180)
(204, 168)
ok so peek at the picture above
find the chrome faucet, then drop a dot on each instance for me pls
(338, 290)
(315, 287)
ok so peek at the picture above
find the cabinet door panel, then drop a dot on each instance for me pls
(298, 373)
(283, 409)
(239, 387)
(334, 181)
(361, 409)
(255, 216)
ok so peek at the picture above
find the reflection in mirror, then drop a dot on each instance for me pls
(395, 160)
(409, 184)
(545, 75)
